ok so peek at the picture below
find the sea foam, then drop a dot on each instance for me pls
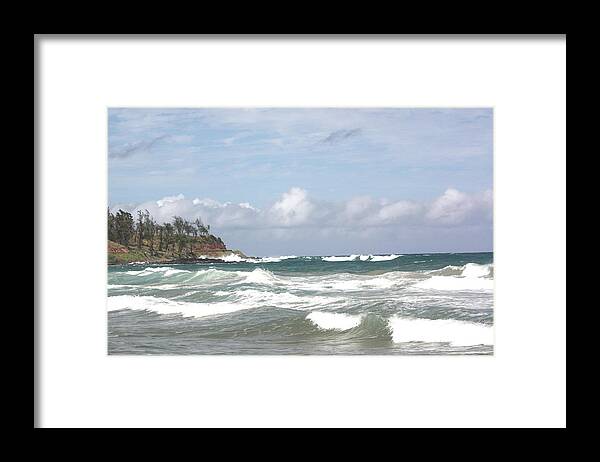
(468, 277)
(459, 333)
(384, 257)
(334, 258)
(258, 276)
(166, 306)
(338, 321)
(373, 258)
(271, 259)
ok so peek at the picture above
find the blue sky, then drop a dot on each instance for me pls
(354, 180)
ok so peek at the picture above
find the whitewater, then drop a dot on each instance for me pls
(334, 304)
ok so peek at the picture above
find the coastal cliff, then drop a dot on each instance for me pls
(199, 252)
(147, 241)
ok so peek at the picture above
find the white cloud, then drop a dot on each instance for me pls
(455, 207)
(296, 209)
(391, 213)
(358, 207)
(169, 200)
(246, 205)
(207, 203)
(300, 224)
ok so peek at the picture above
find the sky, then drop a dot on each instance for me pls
(311, 181)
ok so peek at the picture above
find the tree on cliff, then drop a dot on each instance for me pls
(140, 227)
(120, 227)
(168, 235)
(112, 230)
(150, 229)
(177, 236)
(160, 230)
(189, 230)
(180, 236)
(201, 229)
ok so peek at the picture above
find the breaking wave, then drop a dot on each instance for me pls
(167, 270)
(355, 257)
(234, 258)
(458, 333)
(272, 259)
(468, 277)
(307, 305)
(258, 276)
(167, 306)
(384, 257)
(233, 301)
(338, 321)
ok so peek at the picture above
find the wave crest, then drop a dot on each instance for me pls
(167, 306)
(373, 258)
(458, 333)
(336, 321)
(259, 276)
(471, 276)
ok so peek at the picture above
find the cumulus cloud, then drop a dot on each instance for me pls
(455, 207)
(298, 223)
(392, 213)
(358, 206)
(296, 209)
(169, 200)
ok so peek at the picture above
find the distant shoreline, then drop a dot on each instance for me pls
(225, 257)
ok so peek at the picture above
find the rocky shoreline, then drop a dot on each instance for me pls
(122, 255)
(177, 261)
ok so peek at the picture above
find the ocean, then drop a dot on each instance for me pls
(413, 304)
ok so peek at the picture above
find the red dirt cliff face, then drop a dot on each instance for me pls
(209, 246)
(201, 246)
(113, 247)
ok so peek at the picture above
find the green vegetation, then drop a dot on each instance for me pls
(146, 240)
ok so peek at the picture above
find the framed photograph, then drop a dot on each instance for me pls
(298, 231)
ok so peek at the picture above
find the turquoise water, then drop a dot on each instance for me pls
(359, 304)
